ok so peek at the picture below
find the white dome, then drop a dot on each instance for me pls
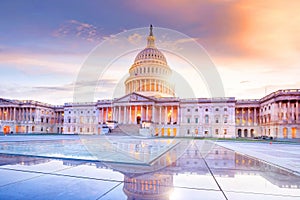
(150, 53)
(150, 73)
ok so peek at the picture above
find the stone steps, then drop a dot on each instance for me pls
(126, 129)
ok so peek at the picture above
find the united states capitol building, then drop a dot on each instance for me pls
(150, 108)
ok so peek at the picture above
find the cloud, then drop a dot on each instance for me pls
(135, 38)
(77, 29)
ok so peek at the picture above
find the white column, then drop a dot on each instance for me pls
(172, 115)
(142, 113)
(166, 114)
(30, 115)
(153, 114)
(254, 117)
(135, 113)
(288, 116)
(147, 112)
(102, 115)
(13, 113)
(106, 114)
(242, 116)
(130, 118)
(280, 111)
(155, 85)
(159, 114)
(125, 114)
(297, 110)
(178, 115)
(248, 120)
(119, 117)
(113, 113)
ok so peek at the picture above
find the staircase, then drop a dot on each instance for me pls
(126, 129)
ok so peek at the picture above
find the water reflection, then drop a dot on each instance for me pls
(191, 168)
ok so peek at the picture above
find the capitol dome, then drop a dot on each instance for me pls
(150, 73)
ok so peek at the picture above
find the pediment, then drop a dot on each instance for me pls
(134, 97)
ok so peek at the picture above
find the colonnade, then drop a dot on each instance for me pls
(135, 114)
(16, 114)
(149, 85)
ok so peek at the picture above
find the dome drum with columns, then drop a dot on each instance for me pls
(150, 73)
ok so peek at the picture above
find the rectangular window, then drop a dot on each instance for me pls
(205, 132)
(217, 120)
(196, 120)
(188, 120)
(196, 110)
(188, 110)
(225, 120)
(225, 131)
(217, 131)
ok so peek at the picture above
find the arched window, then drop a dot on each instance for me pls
(206, 119)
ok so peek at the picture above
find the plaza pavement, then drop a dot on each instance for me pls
(283, 155)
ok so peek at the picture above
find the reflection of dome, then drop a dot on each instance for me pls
(148, 186)
(150, 73)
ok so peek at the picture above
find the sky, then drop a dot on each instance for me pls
(254, 44)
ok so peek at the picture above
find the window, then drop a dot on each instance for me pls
(188, 120)
(225, 109)
(206, 110)
(217, 131)
(47, 120)
(205, 132)
(196, 110)
(225, 120)
(188, 131)
(217, 120)
(188, 110)
(225, 131)
(206, 119)
(42, 120)
(69, 121)
(217, 109)
(42, 129)
(196, 120)
(69, 112)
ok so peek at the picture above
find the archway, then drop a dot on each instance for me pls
(138, 120)
(6, 129)
(252, 132)
(245, 133)
(239, 132)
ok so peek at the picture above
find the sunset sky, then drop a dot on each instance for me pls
(254, 44)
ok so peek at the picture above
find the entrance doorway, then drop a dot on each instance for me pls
(245, 133)
(252, 132)
(285, 133)
(138, 119)
(239, 132)
(294, 133)
(6, 129)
